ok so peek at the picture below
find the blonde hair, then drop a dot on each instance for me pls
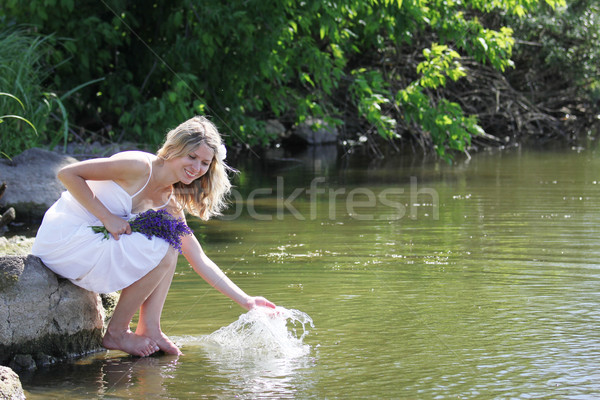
(206, 196)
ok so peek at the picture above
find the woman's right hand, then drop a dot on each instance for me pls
(258, 301)
(116, 226)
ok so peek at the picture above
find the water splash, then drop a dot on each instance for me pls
(263, 331)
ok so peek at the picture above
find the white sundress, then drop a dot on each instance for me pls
(68, 246)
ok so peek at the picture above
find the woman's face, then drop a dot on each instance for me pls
(193, 165)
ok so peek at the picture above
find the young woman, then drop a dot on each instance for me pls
(188, 174)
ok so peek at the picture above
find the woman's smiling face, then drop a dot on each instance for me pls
(194, 164)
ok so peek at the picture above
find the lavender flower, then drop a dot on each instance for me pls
(155, 223)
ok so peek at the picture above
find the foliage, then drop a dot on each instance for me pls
(17, 117)
(32, 115)
(24, 106)
(381, 66)
(567, 44)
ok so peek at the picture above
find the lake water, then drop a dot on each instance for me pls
(423, 280)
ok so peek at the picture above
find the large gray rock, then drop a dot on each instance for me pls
(43, 314)
(31, 183)
(10, 385)
(315, 132)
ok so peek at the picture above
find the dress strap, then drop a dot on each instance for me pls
(148, 181)
(168, 200)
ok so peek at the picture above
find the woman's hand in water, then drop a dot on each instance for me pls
(258, 301)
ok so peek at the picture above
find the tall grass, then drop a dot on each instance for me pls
(30, 114)
(24, 104)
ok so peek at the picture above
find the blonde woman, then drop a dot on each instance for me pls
(188, 174)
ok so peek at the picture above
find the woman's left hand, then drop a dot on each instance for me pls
(258, 302)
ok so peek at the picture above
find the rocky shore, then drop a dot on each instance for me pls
(44, 318)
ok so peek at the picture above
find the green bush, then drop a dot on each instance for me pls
(380, 66)
(567, 44)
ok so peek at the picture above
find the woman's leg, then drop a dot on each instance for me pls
(118, 336)
(150, 312)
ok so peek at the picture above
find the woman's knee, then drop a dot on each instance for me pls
(170, 259)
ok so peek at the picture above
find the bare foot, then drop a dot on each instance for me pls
(163, 342)
(130, 343)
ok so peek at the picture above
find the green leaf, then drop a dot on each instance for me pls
(77, 88)
(14, 98)
(483, 43)
(68, 4)
(21, 119)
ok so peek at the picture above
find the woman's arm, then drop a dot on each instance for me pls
(212, 274)
(119, 168)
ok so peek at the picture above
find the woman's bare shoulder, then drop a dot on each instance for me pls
(138, 162)
(133, 155)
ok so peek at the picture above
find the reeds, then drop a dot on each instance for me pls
(31, 114)
(24, 105)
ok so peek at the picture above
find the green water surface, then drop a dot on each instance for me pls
(424, 280)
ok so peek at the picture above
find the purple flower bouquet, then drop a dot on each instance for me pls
(155, 223)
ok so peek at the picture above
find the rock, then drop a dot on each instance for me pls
(315, 132)
(22, 362)
(44, 360)
(84, 151)
(42, 313)
(6, 218)
(31, 183)
(275, 128)
(109, 303)
(10, 385)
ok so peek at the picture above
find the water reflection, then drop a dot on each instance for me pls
(109, 374)
(205, 371)
(138, 377)
(258, 376)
